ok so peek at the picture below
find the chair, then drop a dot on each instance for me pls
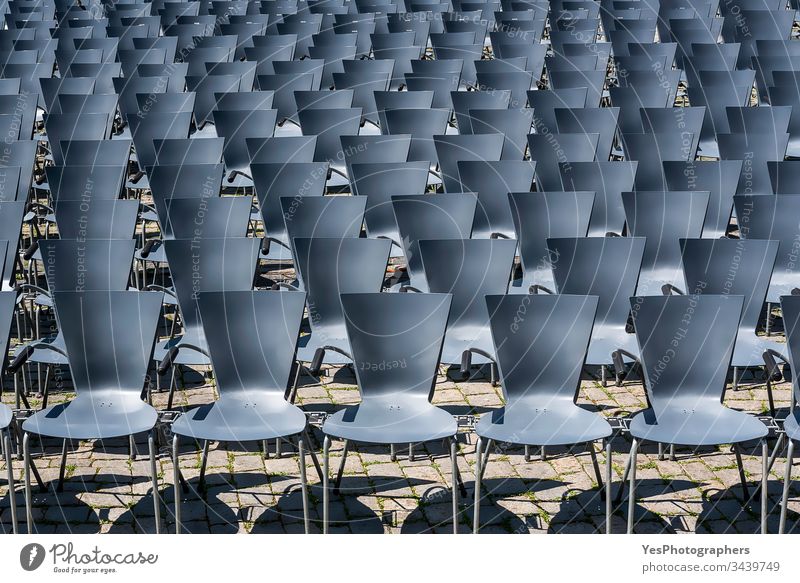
(422, 125)
(7, 305)
(513, 124)
(396, 341)
(281, 149)
(540, 371)
(773, 218)
(790, 309)
(609, 180)
(738, 267)
(438, 216)
(236, 127)
(662, 218)
(607, 267)
(251, 342)
(492, 181)
(329, 125)
(452, 149)
(197, 266)
(490, 262)
(386, 100)
(466, 101)
(326, 269)
(651, 150)
(685, 362)
(718, 178)
(63, 126)
(156, 126)
(755, 149)
(537, 217)
(108, 369)
(590, 120)
(549, 149)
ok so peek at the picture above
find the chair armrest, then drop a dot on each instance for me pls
(266, 243)
(499, 236)
(409, 288)
(319, 356)
(773, 371)
(668, 289)
(284, 285)
(28, 253)
(536, 288)
(466, 359)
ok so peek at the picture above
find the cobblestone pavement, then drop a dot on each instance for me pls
(700, 491)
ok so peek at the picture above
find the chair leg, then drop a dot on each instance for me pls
(326, 446)
(608, 484)
(411, 452)
(177, 483)
(26, 449)
(151, 446)
(301, 450)
(62, 468)
(632, 493)
(787, 477)
(742, 477)
(597, 473)
(12, 498)
(476, 511)
(203, 463)
(764, 478)
(527, 453)
(340, 472)
(392, 453)
(485, 461)
(455, 480)
(132, 447)
(313, 455)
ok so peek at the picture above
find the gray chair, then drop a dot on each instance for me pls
(662, 218)
(108, 369)
(251, 338)
(607, 267)
(540, 369)
(452, 149)
(7, 305)
(539, 216)
(396, 341)
(742, 267)
(686, 344)
(468, 270)
(790, 308)
(719, 178)
(326, 269)
(437, 216)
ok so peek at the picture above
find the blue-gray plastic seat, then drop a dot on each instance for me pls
(540, 369)
(108, 368)
(396, 341)
(686, 344)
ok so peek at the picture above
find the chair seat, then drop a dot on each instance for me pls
(100, 415)
(44, 355)
(750, 348)
(242, 417)
(6, 416)
(454, 346)
(705, 423)
(607, 339)
(309, 344)
(547, 421)
(792, 425)
(391, 419)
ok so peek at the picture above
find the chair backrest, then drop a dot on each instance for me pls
(539, 216)
(200, 265)
(83, 182)
(153, 126)
(790, 310)
(492, 181)
(96, 218)
(180, 151)
(686, 345)
(327, 268)
(209, 217)
(323, 216)
(438, 216)
(96, 152)
(452, 149)
(606, 267)
(109, 337)
(469, 269)
(93, 264)
(534, 355)
(718, 178)
(396, 341)
(236, 126)
(73, 126)
(8, 301)
(185, 181)
(252, 337)
(731, 266)
(662, 218)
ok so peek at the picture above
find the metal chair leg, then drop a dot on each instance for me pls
(454, 477)
(608, 485)
(597, 473)
(203, 463)
(476, 511)
(764, 478)
(27, 465)
(304, 484)
(62, 468)
(632, 493)
(787, 477)
(176, 471)
(132, 447)
(742, 477)
(340, 472)
(151, 446)
(313, 455)
(326, 446)
(12, 499)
